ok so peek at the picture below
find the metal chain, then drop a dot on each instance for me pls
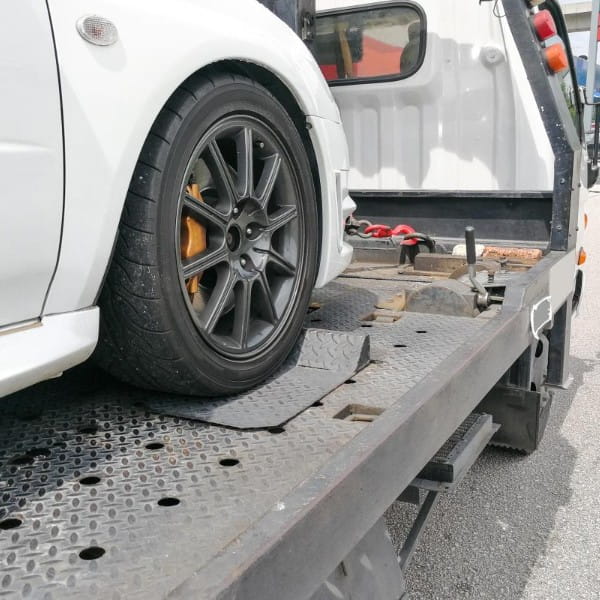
(357, 227)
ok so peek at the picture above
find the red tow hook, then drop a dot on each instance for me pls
(385, 231)
(379, 231)
(404, 230)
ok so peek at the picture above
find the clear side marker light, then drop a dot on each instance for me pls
(97, 30)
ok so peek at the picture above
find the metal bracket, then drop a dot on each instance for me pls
(370, 570)
(410, 544)
(541, 315)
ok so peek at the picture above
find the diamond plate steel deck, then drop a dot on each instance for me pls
(87, 471)
(322, 361)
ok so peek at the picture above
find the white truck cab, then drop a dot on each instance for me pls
(455, 115)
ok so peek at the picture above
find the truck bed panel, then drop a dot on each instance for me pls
(169, 518)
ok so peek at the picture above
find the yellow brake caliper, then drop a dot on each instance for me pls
(193, 239)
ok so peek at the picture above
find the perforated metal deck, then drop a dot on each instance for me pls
(101, 498)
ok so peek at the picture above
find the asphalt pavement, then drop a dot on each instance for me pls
(526, 527)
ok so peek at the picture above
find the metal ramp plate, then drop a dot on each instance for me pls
(322, 361)
(452, 461)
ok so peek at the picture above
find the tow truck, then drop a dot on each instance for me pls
(448, 332)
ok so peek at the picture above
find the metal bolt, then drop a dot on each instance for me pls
(248, 230)
(243, 261)
(236, 211)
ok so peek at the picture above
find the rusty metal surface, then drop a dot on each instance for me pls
(396, 303)
(525, 255)
(438, 263)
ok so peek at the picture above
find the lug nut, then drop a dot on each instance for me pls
(249, 231)
(236, 211)
(243, 261)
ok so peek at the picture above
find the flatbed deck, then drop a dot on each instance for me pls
(103, 498)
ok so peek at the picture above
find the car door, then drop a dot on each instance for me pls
(31, 159)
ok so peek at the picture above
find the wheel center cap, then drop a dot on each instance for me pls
(233, 238)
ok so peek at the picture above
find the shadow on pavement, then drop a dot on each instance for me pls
(484, 539)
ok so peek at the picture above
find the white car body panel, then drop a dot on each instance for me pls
(466, 120)
(31, 161)
(112, 94)
(326, 136)
(46, 348)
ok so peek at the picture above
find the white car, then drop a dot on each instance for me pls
(172, 186)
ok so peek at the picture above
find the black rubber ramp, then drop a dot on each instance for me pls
(322, 361)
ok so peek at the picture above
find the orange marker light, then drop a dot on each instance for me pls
(556, 57)
(585, 220)
(582, 257)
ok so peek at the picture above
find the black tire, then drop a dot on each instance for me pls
(155, 332)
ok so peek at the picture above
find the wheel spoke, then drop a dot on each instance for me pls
(245, 160)
(284, 265)
(267, 180)
(240, 252)
(202, 210)
(243, 305)
(218, 300)
(268, 300)
(282, 217)
(206, 260)
(221, 173)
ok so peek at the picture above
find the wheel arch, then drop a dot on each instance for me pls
(287, 99)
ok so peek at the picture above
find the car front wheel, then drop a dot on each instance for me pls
(217, 249)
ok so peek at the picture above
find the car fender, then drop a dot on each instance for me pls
(112, 94)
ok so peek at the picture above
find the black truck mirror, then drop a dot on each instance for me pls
(593, 148)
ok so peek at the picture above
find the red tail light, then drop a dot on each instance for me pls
(544, 25)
